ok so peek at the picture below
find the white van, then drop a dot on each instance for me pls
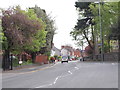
(64, 59)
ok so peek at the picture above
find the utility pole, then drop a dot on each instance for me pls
(101, 35)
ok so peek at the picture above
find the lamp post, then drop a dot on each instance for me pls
(101, 35)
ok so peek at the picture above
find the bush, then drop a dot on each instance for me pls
(52, 58)
(15, 62)
(56, 56)
(60, 57)
(27, 62)
(47, 53)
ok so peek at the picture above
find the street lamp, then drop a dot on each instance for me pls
(101, 36)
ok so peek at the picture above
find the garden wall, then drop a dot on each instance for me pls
(41, 59)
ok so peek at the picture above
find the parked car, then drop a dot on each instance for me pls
(73, 58)
(64, 59)
(81, 59)
(87, 58)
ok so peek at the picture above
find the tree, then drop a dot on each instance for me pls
(23, 32)
(88, 26)
(84, 25)
(109, 16)
(50, 28)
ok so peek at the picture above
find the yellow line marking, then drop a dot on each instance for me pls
(37, 70)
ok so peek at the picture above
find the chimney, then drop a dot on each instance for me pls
(62, 47)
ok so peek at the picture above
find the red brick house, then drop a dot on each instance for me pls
(73, 52)
(77, 53)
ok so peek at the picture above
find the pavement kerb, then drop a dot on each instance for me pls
(38, 69)
(35, 70)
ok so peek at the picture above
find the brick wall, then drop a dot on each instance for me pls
(41, 59)
(77, 53)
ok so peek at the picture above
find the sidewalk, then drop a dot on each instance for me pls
(28, 68)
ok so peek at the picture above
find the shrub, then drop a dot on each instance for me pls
(15, 62)
(60, 57)
(56, 56)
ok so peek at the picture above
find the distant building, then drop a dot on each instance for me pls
(77, 53)
(70, 51)
(55, 51)
(64, 52)
(67, 49)
(83, 53)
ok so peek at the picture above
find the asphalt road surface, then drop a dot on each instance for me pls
(74, 74)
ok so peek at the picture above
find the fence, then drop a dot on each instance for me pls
(42, 59)
(112, 56)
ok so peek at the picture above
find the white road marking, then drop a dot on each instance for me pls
(70, 72)
(76, 68)
(113, 63)
(55, 80)
(44, 85)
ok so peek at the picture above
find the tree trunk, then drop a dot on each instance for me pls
(6, 60)
(87, 39)
(33, 56)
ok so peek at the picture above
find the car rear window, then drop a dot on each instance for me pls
(64, 57)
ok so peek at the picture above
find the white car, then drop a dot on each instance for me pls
(64, 59)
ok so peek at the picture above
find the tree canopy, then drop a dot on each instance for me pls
(23, 30)
(29, 31)
(88, 25)
(50, 28)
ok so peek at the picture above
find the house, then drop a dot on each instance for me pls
(66, 50)
(77, 53)
(70, 51)
(55, 51)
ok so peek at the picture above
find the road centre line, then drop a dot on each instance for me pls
(76, 68)
(46, 68)
(70, 72)
(50, 83)
(54, 81)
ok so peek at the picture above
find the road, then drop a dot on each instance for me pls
(74, 74)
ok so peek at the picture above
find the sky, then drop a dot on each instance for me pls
(63, 11)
